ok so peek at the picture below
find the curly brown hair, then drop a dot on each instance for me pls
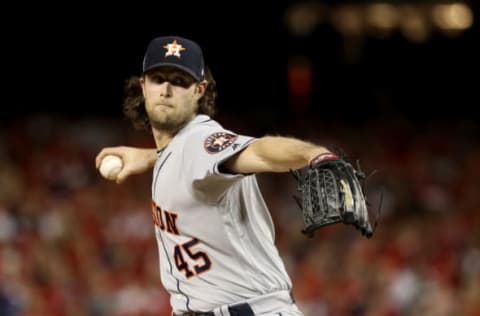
(134, 103)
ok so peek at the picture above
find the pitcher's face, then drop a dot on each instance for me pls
(171, 97)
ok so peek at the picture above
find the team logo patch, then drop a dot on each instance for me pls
(218, 141)
(173, 49)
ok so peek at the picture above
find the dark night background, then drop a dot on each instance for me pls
(75, 61)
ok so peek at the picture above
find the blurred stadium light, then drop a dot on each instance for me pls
(348, 20)
(414, 24)
(382, 18)
(452, 17)
(414, 20)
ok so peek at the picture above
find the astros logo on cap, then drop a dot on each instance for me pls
(173, 49)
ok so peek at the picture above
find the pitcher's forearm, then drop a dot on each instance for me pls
(274, 154)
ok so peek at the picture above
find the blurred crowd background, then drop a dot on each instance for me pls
(390, 83)
(72, 243)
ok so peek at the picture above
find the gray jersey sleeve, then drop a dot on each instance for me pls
(204, 153)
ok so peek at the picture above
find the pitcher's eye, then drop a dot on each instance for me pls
(158, 79)
(180, 81)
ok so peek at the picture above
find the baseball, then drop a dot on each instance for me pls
(110, 167)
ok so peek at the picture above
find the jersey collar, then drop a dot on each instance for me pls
(199, 119)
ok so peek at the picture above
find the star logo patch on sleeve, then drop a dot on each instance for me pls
(218, 141)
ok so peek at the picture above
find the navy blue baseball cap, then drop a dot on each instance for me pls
(175, 51)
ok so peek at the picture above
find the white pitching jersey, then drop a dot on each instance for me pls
(214, 232)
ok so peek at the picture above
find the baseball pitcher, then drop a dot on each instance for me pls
(214, 232)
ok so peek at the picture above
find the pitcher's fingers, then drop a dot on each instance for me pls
(122, 176)
(104, 152)
(100, 156)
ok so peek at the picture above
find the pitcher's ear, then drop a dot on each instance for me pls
(202, 87)
(141, 80)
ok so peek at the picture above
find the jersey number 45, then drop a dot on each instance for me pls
(201, 259)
